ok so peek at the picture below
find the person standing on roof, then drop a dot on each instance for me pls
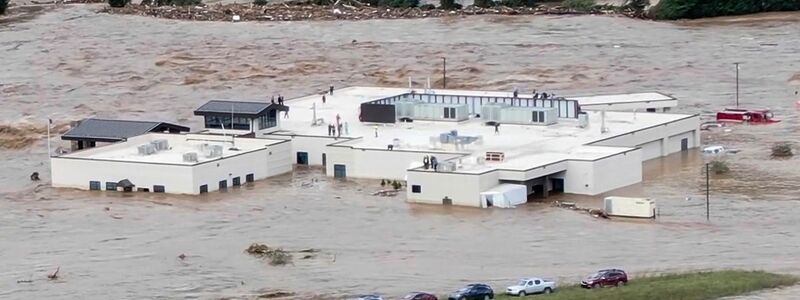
(516, 92)
(330, 89)
(497, 128)
(323, 99)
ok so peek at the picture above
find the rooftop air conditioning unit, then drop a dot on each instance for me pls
(216, 151)
(160, 145)
(583, 119)
(446, 166)
(146, 149)
(190, 157)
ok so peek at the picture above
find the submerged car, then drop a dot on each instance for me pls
(420, 296)
(475, 291)
(529, 286)
(607, 277)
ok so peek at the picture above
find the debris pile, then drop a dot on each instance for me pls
(780, 150)
(303, 11)
(594, 212)
(276, 256)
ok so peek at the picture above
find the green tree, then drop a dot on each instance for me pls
(398, 3)
(449, 4)
(691, 9)
(579, 5)
(519, 3)
(3, 6)
(260, 2)
(484, 3)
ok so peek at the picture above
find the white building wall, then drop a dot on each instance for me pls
(315, 146)
(587, 177)
(689, 126)
(463, 189)
(674, 142)
(651, 150)
(76, 173)
(212, 172)
(279, 158)
(378, 164)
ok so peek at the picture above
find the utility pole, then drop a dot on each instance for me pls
(737, 84)
(444, 72)
(708, 218)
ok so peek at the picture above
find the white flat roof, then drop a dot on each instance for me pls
(524, 146)
(622, 98)
(179, 144)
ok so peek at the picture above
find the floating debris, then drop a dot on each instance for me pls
(277, 256)
(594, 212)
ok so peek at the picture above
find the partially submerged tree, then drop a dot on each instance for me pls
(449, 4)
(260, 2)
(3, 6)
(484, 3)
(782, 150)
(719, 167)
(519, 3)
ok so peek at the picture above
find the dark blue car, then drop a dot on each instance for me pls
(475, 291)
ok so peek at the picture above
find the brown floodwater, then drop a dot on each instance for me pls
(70, 63)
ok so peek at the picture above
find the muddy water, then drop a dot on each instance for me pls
(71, 63)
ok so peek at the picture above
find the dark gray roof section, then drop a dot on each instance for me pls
(100, 130)
(239, 108)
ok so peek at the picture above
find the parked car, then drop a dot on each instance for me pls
(369, 297)
(533, 285)
(608, 277)
(473, 291)
(420, 296)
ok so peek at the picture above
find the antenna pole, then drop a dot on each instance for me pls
(444, 72)
(737, 84)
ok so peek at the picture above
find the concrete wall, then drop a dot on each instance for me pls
(651, 150)
(463, 189)
(279, 159)
(76, 173)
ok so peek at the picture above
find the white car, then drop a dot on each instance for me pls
(533, 285)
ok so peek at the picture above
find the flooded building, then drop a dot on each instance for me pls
(172, 163)
(451, 145)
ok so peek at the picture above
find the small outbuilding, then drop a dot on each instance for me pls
(243, 117)
(88, 132)
(505, 196)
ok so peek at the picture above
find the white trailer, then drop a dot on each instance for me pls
(630, 207)
(505, 196)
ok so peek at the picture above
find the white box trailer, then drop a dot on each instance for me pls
(630, 207)
(505, 196)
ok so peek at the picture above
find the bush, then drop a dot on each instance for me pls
(519, 3)
(782, 150)
(719, 167)
(449, 4)
(691, 9)
(579, 5)
(3, 6)
(398, 3)
(484, 3)
(260, 2)
(115, 3)
(427, 7)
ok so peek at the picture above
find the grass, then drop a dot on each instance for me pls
(688, 286)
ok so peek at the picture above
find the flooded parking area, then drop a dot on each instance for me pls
(71, 63)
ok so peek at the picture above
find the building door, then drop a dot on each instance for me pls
(684, 144)
(302, 158)
(223, 184)
(339, 171)
(324, 160)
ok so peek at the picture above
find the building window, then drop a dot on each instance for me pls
(226, 122)
(237, 181)
(416, 189)
(535, 117)
(223, 184)
(111, 186)
(143, 189)
(269, 120)
(94, 185)
(249, 178)
(158, 188)
(204, 189)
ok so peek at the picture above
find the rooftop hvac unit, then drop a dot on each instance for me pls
(446, 166)
(583, 120)
(490, 112)
(529, 115)
(146, 149)
(160, 145)
(215, 151)
(190, 157)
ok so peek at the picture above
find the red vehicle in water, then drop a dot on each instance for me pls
(744, 115)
